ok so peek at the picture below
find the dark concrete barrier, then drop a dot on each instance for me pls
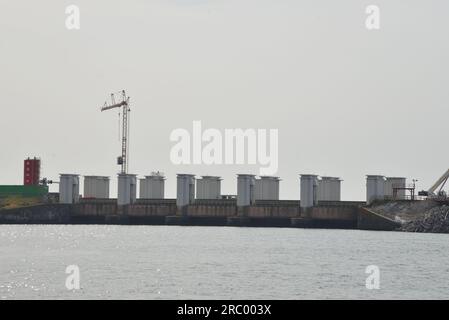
(177, 220)
(280, 211)
(369, 220)
(323, 223)
(238, 221)
(331, 216)
(203, 212)
(40, 214)
(333, 212)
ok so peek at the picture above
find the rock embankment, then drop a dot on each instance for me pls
(434, 220)
(404, 211)
(416, 216)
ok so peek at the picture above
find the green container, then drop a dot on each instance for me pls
(23, 191)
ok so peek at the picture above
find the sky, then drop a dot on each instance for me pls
(347, 101)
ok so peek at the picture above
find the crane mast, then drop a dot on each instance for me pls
(124, 104)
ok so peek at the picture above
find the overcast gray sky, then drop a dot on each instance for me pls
(347, 101)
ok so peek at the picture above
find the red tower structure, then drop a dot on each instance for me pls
(31, 171)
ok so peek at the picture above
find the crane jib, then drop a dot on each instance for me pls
(117, 105)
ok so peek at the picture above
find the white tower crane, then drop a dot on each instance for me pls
(124, 104)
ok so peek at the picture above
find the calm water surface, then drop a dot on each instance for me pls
(169, 262)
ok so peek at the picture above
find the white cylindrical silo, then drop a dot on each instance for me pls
(267, 188)
(208, 187)
(152, 187)
(127, 187)
(185, 189)
(375, 188)
(96, 187)
(395, 187)
(309, 190)
(329, 189)
(68, 188)
(246, 184)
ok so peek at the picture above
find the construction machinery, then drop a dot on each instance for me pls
(436, 191)
(124, 105)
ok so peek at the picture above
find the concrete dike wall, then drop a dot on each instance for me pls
(39, 214)
(279, 213)
(370, 220)
(334, 215)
